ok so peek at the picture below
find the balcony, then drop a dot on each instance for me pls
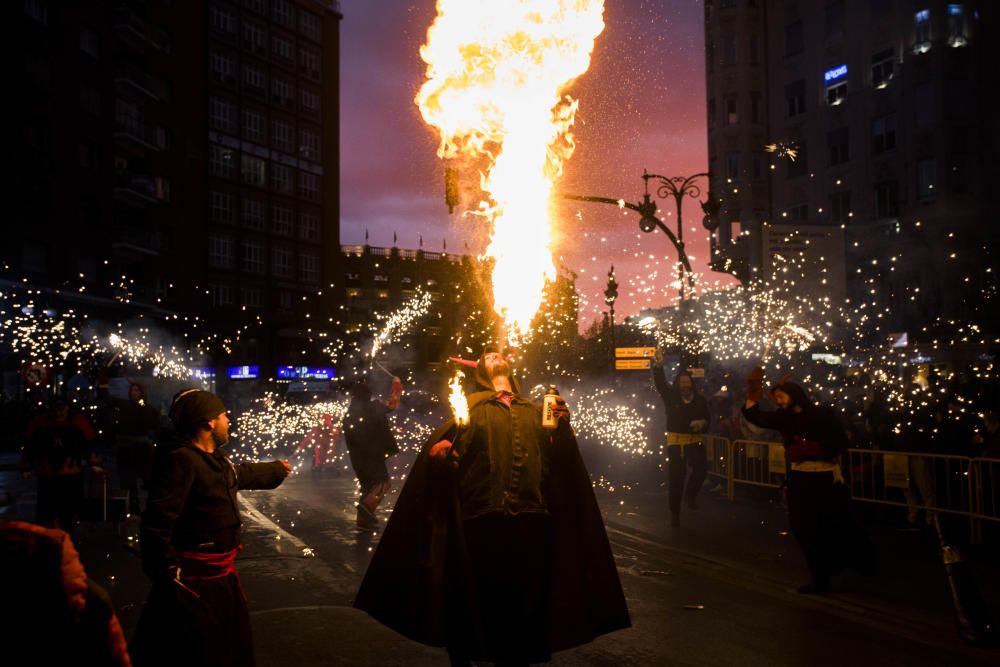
(133, 78)
(136, 244)
(130, 27)
(135, 134)
(140, 190)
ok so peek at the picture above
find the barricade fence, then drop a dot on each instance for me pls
(923, 483)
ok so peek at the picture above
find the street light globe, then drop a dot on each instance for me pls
(710, 223)
(647, 224)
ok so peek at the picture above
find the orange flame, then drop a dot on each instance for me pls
(496, 72)
(456, 399)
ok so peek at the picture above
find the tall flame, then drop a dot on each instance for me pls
(456, 398)
(496, 72)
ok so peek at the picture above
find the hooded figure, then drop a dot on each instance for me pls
(496, 548)
(196, 613)
(687, 421)
(818, 500)
(369, 442)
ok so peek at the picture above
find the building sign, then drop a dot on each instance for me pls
(203, 373)
(306, 373)
(243, 372)
(643, 352)
(835, 74)
(633, 364)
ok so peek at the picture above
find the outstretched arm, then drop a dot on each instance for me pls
(261, 475)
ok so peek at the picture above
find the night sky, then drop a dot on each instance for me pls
(642, 105)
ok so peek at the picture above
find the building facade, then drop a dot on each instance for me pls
(885, 106)
(182, 156)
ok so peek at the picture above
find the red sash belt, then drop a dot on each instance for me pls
(195, 565)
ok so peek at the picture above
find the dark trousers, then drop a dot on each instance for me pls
(682, 458)
(820, 517)
(59, 500)
(511, 556)
(134, 457)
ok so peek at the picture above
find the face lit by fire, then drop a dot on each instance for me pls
(783, 400)
(220, 430)
(496, 365)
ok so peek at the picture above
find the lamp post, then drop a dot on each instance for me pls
(610, 296)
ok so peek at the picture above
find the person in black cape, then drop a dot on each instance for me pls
(819, 510)
(496, 548)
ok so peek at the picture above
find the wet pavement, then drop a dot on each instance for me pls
(717, 591)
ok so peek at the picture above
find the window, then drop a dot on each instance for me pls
(253, 256)
(253, 170)
(254, 78)
(795, 93)
(222, 295)
(220, 252)
(834, 17)
(835, 80)
(281, 220)
(887, 199)
(800, 165)
(732, 116)
(283, 13)
(729, 50)
(309, 99)
(309, 267)
(253, 213)
(754, 49)
(220, 206)
(281, 136)
(281, 178)
(221, 114)
(309, 145)
(281, 48)
(253, 38)
(308, 186)
(309, 63)
(840, 206)
(922, 31)
(838, 142)
(253, 297)
(733, 167)
(309, 227)
(90, 99)
(259, 6)
(223, 68)
(755, 108)
(253, 125)
(799, 212)
(711, 114)
(309, 26)
(281, 262)
(923, 105)
(884, 134)
(90, 43)
(957, 34)
(794, 39)
(883, 67)
(281, 90)
(926, 179)
(221, 161)
(285, 300)
(222, 21)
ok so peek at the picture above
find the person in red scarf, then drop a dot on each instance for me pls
(196, 613)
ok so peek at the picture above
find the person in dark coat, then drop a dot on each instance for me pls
(196, 613)
(818, 500)
(496, 548)
(687, 422)
(135, 422)
(369, 442)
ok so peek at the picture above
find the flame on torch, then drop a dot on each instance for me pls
(456, 398)
(496, 72)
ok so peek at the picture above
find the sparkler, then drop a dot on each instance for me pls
(496, 73)
(456, 398)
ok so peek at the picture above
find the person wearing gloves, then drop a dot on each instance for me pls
(496, 548)
(687, 422)
(196, 612)
(818, 500)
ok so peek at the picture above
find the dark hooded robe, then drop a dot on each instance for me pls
(528, 512)
(819, 510)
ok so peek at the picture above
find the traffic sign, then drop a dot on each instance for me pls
(35, 374)
(645, 352)
(632, 364)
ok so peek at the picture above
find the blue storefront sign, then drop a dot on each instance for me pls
(835, 74)
(306, 373)
(243, 372)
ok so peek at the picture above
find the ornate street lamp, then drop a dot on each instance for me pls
(610, 296)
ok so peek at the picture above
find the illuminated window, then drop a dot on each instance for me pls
(957, 35)
(922, 31)
(835, 80)
(883, 67)
(732, 113)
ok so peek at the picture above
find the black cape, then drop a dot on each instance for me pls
(420, 578)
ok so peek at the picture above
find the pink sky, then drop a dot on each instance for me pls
(642, 105)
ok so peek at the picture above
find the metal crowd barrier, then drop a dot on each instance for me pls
(920, 482)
